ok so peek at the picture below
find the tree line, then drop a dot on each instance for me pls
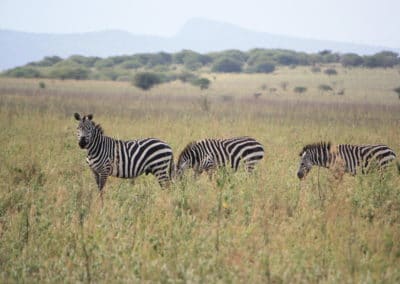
(169, 66)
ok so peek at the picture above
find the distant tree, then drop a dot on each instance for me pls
(227, 65)
(46, 61)
(86, 61)
(186, 77)
(397, 91)
(264, 67)
(325, 88)
(70, 72)
(131, 64)
(203, 83)
(316, 69)
(284, 85)
(382, 59)
(351, 59)
(330, 71)
(104, 63)
(300, 89)
(23, 72)
(146, 80)
(235, 54)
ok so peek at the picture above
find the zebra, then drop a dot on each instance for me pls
(107, 156)
(350, 158)
(208, 154)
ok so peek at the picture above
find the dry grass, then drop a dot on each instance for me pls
(267, 227)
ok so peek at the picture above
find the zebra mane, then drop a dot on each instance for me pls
(187, 148)
(316, 146)
(98, 128)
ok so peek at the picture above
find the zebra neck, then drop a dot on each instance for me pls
(324, 159)
(96, 144)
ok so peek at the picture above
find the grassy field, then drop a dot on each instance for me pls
(267, 227)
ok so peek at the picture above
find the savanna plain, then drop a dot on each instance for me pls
(267, 227)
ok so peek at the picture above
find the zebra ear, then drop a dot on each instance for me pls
(90, 116)
(77, 116)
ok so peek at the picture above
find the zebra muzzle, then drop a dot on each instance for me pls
(82, 143)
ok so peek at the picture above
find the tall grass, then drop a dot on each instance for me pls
(266, 227)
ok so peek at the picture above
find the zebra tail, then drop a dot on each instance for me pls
(398, 167)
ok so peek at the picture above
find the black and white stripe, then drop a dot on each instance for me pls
(124, 159)
(353, 157)
(208, 154)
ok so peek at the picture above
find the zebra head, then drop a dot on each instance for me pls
(305, 164)
(183, 164)
(185, 160)
(85, 129)
(318, 154)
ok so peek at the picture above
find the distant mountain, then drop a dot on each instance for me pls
(19, 48)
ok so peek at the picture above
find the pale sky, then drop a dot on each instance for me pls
(374, 22)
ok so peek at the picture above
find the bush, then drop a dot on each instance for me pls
(397, 90)
(85, 61)
(351, 59)
(325, 88)
(23, 72)
(264, 67)
(76, 73)
(227, 65)
(330, 71)
(316, 69)
(186, 77)
(300, 89)
(203, 83)
(46, 61)
(42, 85)
(382, 59)
(146, 80)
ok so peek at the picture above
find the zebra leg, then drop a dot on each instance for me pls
(102, 182)
(249, 166)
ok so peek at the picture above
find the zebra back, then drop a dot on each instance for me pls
(207, 154)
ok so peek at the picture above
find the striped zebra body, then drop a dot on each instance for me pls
(351, 157)
(123, 159)
(208, 154)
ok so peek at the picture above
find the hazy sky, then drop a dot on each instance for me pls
(374, 22)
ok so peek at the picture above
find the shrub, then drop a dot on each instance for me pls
(23, 72)
(351, 59)
(146, 80)
(330, 71)
(72, 71)
(46, 61)
(227, 65)
(397, 90)
(325, 88)
(264, 67)
(381, 59)
(316, 69)
(300, 89)
(284, 85)
(186, 77)
(203, 83)
(42, 85)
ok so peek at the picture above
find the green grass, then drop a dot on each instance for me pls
(267, 227)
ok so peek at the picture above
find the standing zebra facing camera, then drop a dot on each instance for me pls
(124, 159)
(209, 154)
(350, 158)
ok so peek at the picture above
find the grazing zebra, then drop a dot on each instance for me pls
(349, 157)
(124, 159)
(208, 154)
